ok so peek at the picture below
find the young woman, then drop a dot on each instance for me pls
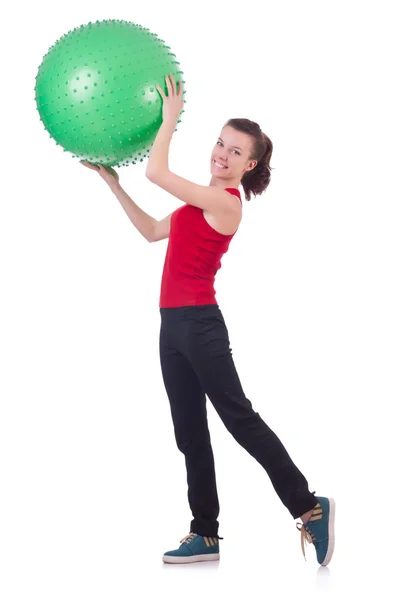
(195, 354)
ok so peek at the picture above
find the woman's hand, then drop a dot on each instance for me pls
(173, 103)
(107, 173)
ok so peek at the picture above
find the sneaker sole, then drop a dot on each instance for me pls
(331, 533)
(190, 559)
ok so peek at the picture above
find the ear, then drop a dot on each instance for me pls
(251, 165)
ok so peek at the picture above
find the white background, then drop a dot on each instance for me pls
(93, 488)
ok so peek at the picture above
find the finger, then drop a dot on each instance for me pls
(160, 91)
(173, 85)
(88, 165)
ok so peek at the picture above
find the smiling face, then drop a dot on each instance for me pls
(230, 158)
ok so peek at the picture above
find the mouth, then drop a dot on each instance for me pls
(219, 166)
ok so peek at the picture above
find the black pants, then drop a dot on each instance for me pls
(196, 361)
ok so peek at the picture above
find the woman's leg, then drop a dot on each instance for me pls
(189, 414)
(208, 349)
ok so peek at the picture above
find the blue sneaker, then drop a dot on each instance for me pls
(319, 530)
(194, 548)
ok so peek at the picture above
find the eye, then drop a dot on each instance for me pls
(237, 152)
(218, 142)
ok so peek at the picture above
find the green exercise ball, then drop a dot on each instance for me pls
(96, 91)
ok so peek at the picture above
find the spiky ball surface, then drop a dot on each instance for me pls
(95, 91)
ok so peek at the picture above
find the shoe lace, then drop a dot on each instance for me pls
(188, 538)
(307, 536)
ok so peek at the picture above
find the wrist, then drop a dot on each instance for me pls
(115, 187)
(170, 124)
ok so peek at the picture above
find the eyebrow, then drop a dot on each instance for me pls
(232, 146)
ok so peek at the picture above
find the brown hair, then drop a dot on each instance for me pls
(255, 181)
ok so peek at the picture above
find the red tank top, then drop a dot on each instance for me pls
(193, 257)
